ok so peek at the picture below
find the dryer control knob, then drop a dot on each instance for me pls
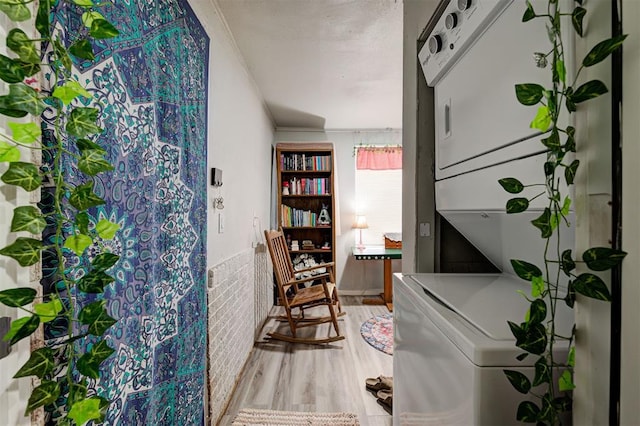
(451, 21)
(435, 44)
(464, 5)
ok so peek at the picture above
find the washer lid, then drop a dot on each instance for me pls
(485, 301)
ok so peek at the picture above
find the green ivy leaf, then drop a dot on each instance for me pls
(93, 162)
(563, 403)
(46, 393)
(42, 18)
(543, 223)
(511, 185)
(24, 98)
(82, 49)
(16, 297)
(107, 229)
(534, 339)
(571, 358)
(82, 222)
(103, 29)
(570, 145)
(83, 3)
(25, 132)
(82, 197)
(525, 270)
(591, 286)
(86, 144)
(529, 93)
(40, 364)
(94, 282)
(603, 49)
(522, 356)
(561, 71)
(21, 328)
(537, 286)
(529, 14)
(517, 205)
(565, 382)
(24, 175)
(25, 48)
(549, 168)
(570, 172)
(86, 410)
(69, 91)
(519, 381)
(542, 120)
(104, 261)
(28, 68)
(527, 412)
(77, 243)
(77, 392)
(566, 262)
(16, 10)
(571, 106)
(28, 218)
(24, 250)
(61, 54)
(576, 19)
(553, 141)
(543, 372)
(8, 152)
(589, 90)
(96, 317)
(566, 206)
(570, 298)
(10, 70)
(602, 258)
(82, 122)
(537, 311)
(89, 363)
(48, 311)
(9, 112)
(89, 16)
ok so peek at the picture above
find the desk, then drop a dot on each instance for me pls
(385, 254)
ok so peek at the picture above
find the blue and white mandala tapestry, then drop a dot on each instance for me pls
(151, 85)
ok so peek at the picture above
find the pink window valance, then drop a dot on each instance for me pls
(379, 158)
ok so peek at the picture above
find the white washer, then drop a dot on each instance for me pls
(451, 344)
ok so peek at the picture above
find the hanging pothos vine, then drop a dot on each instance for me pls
(67, 372)
(538, 334)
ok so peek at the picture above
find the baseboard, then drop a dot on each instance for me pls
(368, 292)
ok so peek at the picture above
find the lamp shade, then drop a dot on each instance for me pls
(361, 222)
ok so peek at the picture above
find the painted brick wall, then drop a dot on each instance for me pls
(239, 298)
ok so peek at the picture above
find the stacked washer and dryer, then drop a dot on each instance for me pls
(451, 339)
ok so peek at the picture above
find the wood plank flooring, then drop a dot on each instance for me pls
(317, 378)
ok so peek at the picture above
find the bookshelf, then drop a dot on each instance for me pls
(306, 185)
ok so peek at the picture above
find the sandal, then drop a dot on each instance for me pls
(385, 399)
(379, 383)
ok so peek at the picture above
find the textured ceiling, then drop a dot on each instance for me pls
(325, 64)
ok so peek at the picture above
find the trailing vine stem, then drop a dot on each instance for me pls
(68, 368)
(553, 382)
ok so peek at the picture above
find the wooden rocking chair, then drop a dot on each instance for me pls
(293, 294)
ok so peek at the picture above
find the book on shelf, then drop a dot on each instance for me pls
(296, 217)
(303, 162)
(309, 186)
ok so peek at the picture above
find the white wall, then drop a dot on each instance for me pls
(353, 277)
(630, 362)
(240, 136)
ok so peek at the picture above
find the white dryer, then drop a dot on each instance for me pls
(451, 339)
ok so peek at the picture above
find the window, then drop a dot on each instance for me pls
(379, 191)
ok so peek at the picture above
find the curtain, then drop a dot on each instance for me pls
(379, 158)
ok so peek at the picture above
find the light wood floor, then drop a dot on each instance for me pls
(316, 378)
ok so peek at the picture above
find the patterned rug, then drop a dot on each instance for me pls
(378, 332)
(251, 417)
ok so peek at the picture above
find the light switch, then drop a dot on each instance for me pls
(5, 348)
(425, 229)
(220, 223)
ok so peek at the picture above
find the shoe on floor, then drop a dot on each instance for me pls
(379, 383)
(385, 399)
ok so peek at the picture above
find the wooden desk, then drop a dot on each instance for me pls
(385, 254)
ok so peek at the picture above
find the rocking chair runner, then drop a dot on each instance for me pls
(293, 295)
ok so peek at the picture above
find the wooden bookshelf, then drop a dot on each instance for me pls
(307, 170)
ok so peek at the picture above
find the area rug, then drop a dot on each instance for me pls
(378, 332)
(252, 417)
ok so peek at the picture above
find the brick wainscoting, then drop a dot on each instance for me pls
(240, 294)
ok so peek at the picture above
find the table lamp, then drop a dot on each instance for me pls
(360, 224)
